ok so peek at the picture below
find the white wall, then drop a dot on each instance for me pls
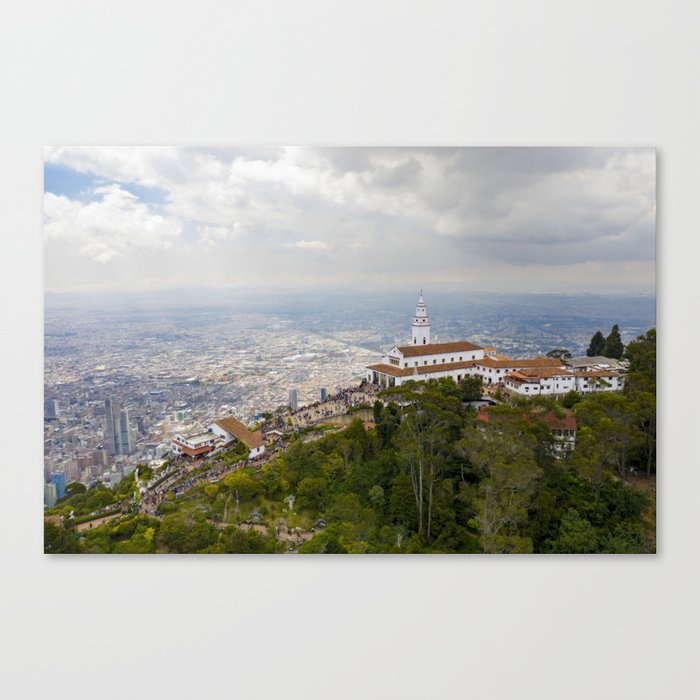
(218, 430)
(586, 385)
(438, 359)
(561, 385)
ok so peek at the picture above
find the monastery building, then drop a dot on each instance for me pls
(422, 360)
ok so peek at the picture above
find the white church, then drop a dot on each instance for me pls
(423, 360)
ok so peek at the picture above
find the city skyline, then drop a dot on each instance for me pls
(493, 219)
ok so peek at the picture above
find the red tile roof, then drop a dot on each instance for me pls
(437, 348)
(394, 371)
(391, 370)
(520, 378)
(234, 427)
(544, 372)
(193, 451)
(566, 422)
(534, 362)
(599, 373)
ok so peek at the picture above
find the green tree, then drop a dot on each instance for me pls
(430, 423)
(501, 506)
(389, 424)
(271, 478)
(142, 542)
(576, 535)
(613, 344)
(597, 345)
(644, 403)
(346, 507)
(641, 354)
(236, 541)
(311, 492)
(570, 399)
(334, 469)
(590, 460)
(327, 542)
(501, 454)
(200, 535)
(503, 438)
(376, 497)
(99, 499)
(402, 506)
(626, 538)
(559, 354)
(243, 485)
(613, 422)
(470, 388)
(58, 540)
(173, 533)
(74, 488)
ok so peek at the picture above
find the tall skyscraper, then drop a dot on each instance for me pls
(323, 393)
(127, 442)
(293, 403)
(119, 438)
(51, 410)
(50, 494)
(114, 431)
(59, 481)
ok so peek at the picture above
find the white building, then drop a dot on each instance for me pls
(423, 360)
(537, 382)
(603, 380)
(196, 444)
(494, 369)
(596, 363)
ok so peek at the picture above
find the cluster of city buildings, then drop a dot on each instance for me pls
(119, 388)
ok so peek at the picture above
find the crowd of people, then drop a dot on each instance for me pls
(334, 405)
(175, 485)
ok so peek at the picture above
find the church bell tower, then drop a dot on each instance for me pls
(420, 328)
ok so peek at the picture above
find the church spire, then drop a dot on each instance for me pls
(420, 328)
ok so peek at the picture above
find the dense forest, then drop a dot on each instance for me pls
(428, 474)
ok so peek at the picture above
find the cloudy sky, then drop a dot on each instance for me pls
(509, 219)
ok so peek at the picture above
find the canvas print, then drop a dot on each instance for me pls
(291, 350)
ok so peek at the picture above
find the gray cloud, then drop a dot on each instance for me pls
(509, 218)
